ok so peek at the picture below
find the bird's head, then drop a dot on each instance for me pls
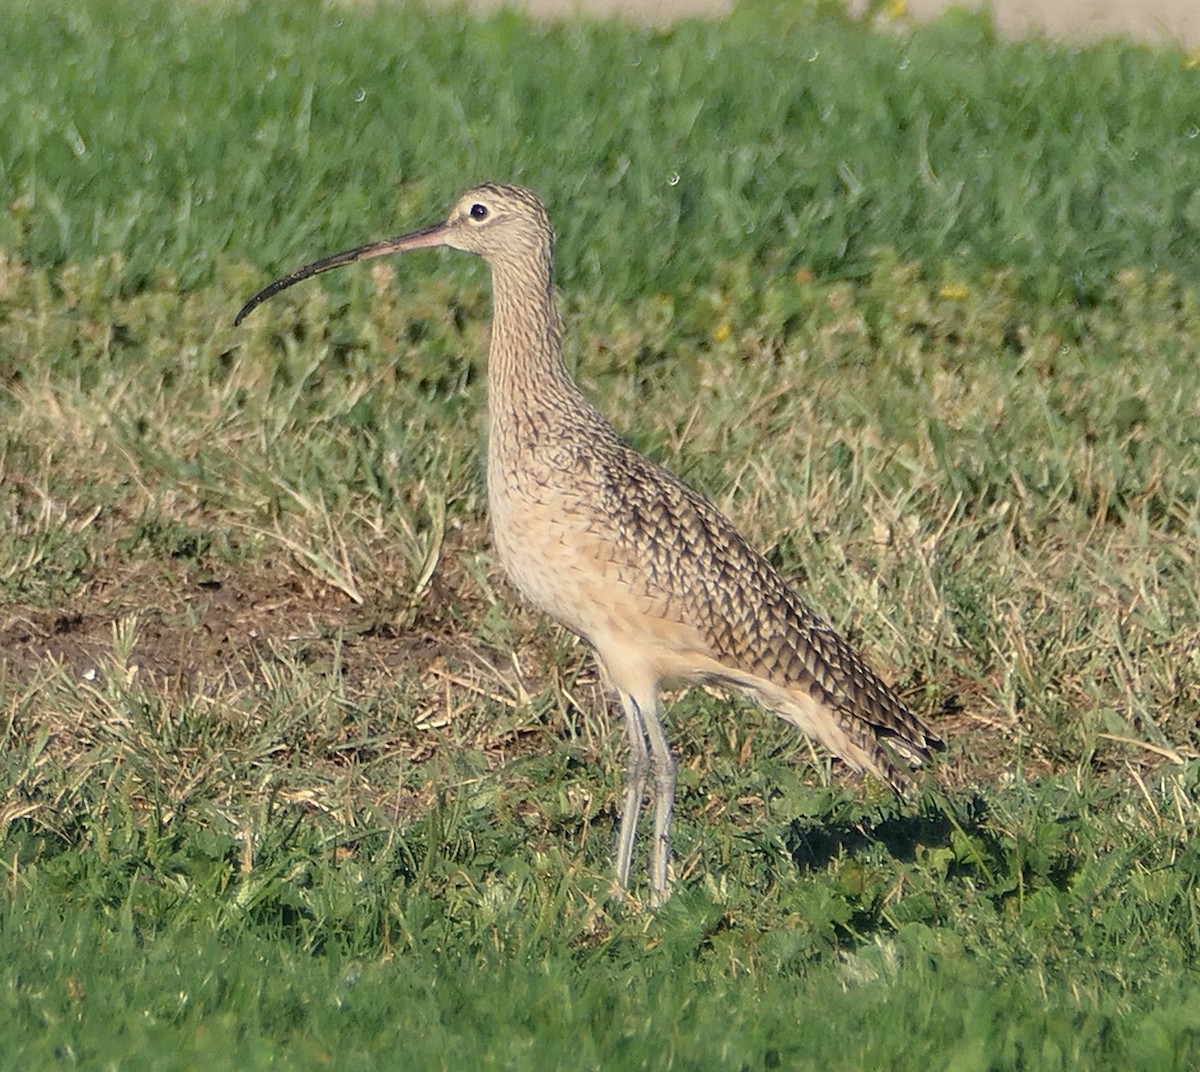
(498, 222)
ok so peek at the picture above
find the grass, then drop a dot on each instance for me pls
(287, 772)
(960, 152)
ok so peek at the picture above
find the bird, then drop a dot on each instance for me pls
(653, 577)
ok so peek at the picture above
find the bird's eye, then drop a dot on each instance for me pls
(479, 212)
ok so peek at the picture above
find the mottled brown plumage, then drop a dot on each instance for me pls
(654, 577)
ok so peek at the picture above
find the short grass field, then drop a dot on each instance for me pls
(289, 776)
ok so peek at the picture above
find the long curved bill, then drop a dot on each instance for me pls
(425, 238)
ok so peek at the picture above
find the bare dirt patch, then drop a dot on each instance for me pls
(196, 631)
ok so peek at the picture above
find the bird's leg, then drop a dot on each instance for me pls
(635, 785)
(663, 764)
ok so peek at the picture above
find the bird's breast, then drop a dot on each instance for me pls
(538, 519)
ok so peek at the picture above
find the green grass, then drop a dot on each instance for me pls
(287, 774)
(781, 135)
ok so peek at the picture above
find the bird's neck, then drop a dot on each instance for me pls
(526, 374)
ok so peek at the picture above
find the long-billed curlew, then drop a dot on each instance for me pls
(622, 553)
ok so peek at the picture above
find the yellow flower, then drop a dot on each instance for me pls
(955, 292)
(722, 331)
(896, 9)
